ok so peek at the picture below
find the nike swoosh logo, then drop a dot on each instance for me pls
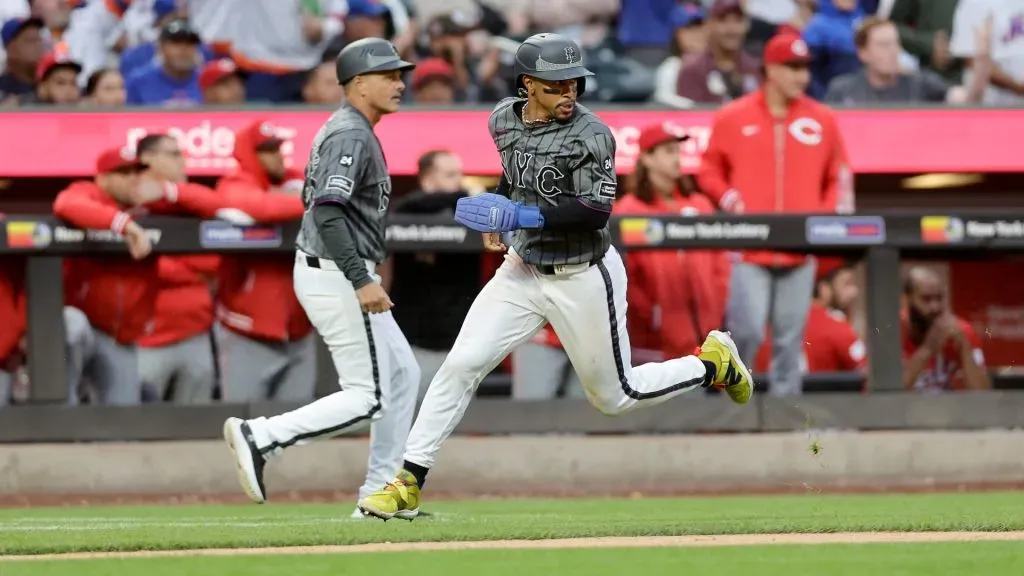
(374, 61)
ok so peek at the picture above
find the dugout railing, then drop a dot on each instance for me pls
(879, 240)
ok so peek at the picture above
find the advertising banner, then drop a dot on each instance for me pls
(66, 144)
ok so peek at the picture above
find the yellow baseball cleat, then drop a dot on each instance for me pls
(399, 499)
(730, 372)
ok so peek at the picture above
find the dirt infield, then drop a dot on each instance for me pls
(609, 542)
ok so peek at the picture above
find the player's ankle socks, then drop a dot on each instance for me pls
(710, 370)
(419, 472)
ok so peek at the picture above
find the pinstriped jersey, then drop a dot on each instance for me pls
(347, 168)
(552, 164)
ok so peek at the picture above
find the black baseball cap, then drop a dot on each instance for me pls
(179, 30)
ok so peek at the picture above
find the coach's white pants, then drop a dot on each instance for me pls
(377, 373)
(587, 309)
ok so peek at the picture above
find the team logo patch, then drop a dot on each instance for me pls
(570, 55)
(606, 190)
(341, 185)
(346, 160)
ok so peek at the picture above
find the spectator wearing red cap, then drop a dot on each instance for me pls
(264, 339)
(433, 82)
(105, 89)
(56, 82)
(321, 87)
(22, 39)
(222, 84)
(830, 342)
(118, 295)
(776, 151)
(723, 72)
(675, 296)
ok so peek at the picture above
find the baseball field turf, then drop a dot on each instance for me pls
(824, 535)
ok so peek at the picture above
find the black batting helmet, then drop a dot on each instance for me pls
(367, 56)
(551, 57)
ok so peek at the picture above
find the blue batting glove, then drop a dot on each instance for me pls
(489, 212)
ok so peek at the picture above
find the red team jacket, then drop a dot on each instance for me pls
(675, 297)
(830, 344)
(12, 307)
(184, 306)
(119, 295)
(255, 294)
(797, 165)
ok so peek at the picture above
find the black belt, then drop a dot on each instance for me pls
(549, 269)
(312, 261)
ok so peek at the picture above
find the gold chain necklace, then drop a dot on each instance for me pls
(533, 122)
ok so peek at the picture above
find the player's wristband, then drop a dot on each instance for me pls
(529, 217)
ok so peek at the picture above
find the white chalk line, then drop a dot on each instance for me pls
(562, 543)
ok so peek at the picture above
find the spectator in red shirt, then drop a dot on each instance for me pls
(176, 352)
(940, 351)
(265, 341)
(776, 151)
(830, 342)
(118, 295)
(675, 296)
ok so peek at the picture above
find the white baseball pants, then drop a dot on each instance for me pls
(377, 373)
(586, 305)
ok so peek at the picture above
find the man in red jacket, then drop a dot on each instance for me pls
(775, 151)
(77, 332)
(675, 296)
(177, 351)
(263, 336)
(117, 295)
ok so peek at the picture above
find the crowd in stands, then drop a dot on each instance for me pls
(178, 53)
(680, 53)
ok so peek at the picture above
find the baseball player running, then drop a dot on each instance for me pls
(346, 195)
(556, 194)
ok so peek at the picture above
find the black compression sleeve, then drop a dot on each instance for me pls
(330, 222)
(574, 216)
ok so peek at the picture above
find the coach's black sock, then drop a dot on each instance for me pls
(709, 373)
(416, 470)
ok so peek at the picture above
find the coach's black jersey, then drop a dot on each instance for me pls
(346, 167)
(551, 164)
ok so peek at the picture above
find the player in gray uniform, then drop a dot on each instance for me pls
(556, 194)
(340, 243)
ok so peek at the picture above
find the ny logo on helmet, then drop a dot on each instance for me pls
(570, 55)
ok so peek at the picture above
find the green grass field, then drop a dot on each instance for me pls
(123, 529)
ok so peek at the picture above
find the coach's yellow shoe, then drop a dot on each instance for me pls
(399, 499)
(730, 372)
